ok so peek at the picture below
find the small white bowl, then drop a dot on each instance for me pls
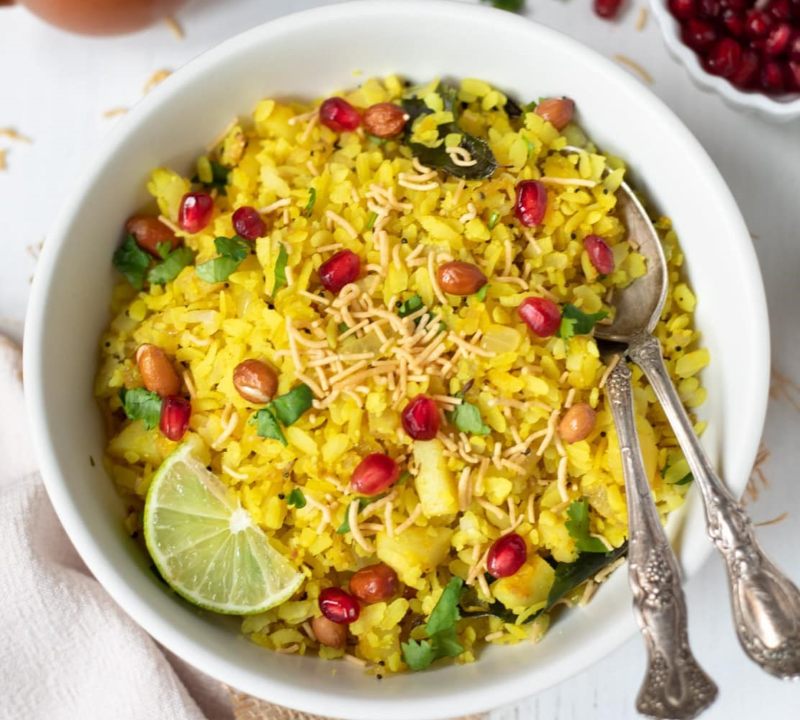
(778, 109)
(310, 54)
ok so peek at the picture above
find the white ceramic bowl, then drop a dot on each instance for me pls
(309, 54)
(782, 109)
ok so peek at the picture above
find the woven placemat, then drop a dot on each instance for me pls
(246, 707)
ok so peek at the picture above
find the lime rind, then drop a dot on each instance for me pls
(207, 548)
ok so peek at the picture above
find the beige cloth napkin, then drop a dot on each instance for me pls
(67, 651)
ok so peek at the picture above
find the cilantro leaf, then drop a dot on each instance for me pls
(446, 644)
(289, 407)
(296, 499)
(344, 528)
(409, 306)
(141, 404)
(481, 294)
(312, 200)
(418, 654)
(342, 327)
(219, 177)
(578, 528)
(510, 5)
(163, 249)
(362, 503)
(467, 418)
(131, 262)
(170, 267)
(267, 425)
(445, 615)
(232, 251)
(576, 322)
(280, 269)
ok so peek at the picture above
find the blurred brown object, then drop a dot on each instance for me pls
(100, 17)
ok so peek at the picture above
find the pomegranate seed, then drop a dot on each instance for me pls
(778, 39)
(794, 73)
(773, 78)
(607, 9)
(374, 474)
(699, 35)
(735, 4)
(794, 48)
(339, 270)
(248, 223)
(507, 555)
(531, 202)
(599, 253)
(541, 315)
(709, 8)
(339, 115)
(421, 418)
(757, 23)
(734, 22)
(724, 58)
(745, 77)
(682, 9)
(175, 414)
(780, 9)
(195, 211)
(339, 606)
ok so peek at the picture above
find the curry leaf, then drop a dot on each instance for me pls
(296, 499)
(576, 322)
(289, 407)
(141, 404)
(571, 575)
(437, 157)
(280, 269)
(685, 480)
(170, 267)
(131, 262)
(578, 528)
(267, 426)
(510, 5)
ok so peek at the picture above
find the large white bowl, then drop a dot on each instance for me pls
(778, 109)
(307, 55)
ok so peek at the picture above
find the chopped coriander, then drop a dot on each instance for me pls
(131, 262)
(407, 307)
(232, 251)
(362, 503)
(481, 294)
(342, 327)
(289, 407)
(164, 249)
(445, 615)
(296, 499)
(344, 528)
(371, 218)
(510, 5)
(494, 218)
(467, 418)
(312, 199)
(578, 528)
(267, 425)
(280, 269)
(576, 322)
(141, 404)
(170, 267)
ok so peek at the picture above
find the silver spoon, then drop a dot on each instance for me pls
(766, 604)
(675, 686)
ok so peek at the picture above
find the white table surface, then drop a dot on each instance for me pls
(55, 88)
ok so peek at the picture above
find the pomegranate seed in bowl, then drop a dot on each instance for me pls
(339, 606)
(339, 115)
(421, 418)
(541, 315)
(374, 474)
(175, 414)
(724, 58)
(531, 202)
(599, 254)
(248, 223)
(339, 270)
(195, 211)
(506, 556)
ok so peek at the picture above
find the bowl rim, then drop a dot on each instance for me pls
(470, 699)
(782, 110)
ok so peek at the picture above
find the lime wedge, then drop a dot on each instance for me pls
(207, 548)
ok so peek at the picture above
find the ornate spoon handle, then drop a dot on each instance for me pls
(675, 686)
(766, 604)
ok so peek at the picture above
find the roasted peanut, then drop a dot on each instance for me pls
(384, 120)
(255, 381)
(577, 423)
(149, 232)
(460, 278)
(328, 632)
(374, 583)
(157, 372)
(557, 111)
